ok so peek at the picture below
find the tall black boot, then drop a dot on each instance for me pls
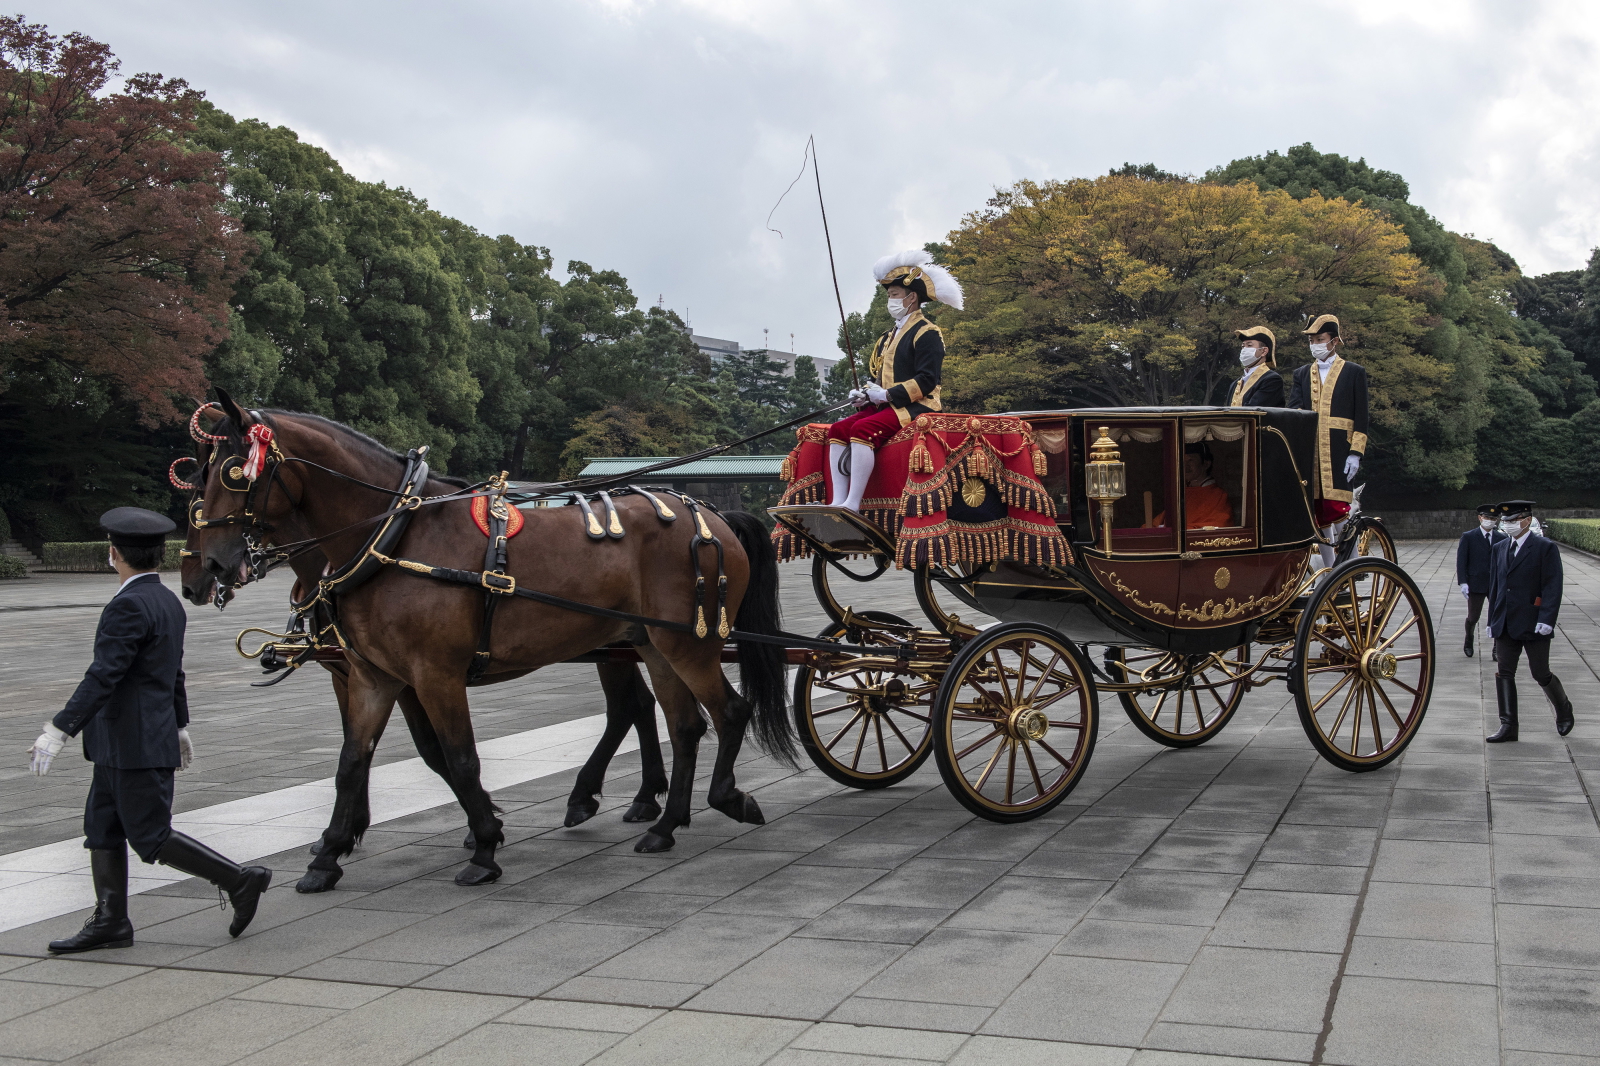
(243, 884)
(108, 926)
(1558, 699)
(1505, 692)
(1467, 647)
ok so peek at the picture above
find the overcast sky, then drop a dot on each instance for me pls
(654, 137)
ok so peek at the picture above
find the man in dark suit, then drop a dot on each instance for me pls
(1337, 391)
(1472, 566)
(1524, 600)
(133, 712)
(1260, 385)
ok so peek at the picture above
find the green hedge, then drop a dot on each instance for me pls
(1579, 532)
(89, 556)
(10, 568)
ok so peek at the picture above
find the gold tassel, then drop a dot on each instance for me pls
(786, 471)
(921, 459)
(723, 628)
(699, 621)
(1040, 465)
(978, 462)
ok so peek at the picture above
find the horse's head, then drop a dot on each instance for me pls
(237, 500)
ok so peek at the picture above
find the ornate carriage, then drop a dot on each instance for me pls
(1109, 569)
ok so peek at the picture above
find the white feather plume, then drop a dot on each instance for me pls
(946, 289)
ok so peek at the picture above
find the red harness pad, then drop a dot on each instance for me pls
(480, 515)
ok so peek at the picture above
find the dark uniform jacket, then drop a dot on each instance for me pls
(1525, 590)
(1341, 407)
(908, 363)
(131, 702)
(1261, 386)
(1472, 559)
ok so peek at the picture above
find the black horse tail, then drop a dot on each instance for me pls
(762, 667)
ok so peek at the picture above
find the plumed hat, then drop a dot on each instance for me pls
(1262, 333)
(1324, 324)
(135, 527)
(916, 270)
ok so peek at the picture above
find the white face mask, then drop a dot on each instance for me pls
(111, 560)
(899, 307)
(1511, 527)
(1249, 356)
(1486, 523)
(1322, 352)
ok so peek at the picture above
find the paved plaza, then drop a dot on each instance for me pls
(1237, 901)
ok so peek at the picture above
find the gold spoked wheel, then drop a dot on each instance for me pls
(1364, 664)
(1185, 699)
(862, 725)
(1015, 722)
(1372, 541)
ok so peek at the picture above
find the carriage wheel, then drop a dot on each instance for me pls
(1363, 668)
(824, 573)
(1188, 698)
(1372, 541)
(1015, 722)
(864, 727)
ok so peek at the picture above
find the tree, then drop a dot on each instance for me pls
(116, 260)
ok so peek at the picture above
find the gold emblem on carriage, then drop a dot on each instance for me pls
(1221, 577)
(973, 492)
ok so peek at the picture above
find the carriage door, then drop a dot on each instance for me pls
(1219, 484)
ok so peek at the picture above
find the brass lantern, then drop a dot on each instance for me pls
(1107, 478)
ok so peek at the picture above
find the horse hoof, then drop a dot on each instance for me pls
(579, 813)
(318, 880)
(752, 812)
(473, 874)
(653, 842)
(471, 841)
(643, 811)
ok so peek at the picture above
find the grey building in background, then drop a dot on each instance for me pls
(718, 350)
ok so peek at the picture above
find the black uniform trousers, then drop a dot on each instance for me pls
(1507, 652)
(129, 807)
(1474, 610)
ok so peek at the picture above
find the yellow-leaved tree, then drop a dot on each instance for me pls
(1123, 291)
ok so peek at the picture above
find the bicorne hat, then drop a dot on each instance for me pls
(1323, 324)
(136, 527)
(916, 270)
(1262, 333)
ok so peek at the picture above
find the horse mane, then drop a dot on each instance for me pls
(375, 448)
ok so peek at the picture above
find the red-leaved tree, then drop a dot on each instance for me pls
(116, 257)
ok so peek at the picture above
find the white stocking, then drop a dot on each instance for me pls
(862, 460)
(840, 484)
(1327, 550)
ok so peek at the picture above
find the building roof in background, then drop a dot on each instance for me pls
(716, 467)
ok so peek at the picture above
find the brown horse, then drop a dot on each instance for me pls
(402, 630)
(629, 704)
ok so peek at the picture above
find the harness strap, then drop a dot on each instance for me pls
(663, 512)
(591, 524)
(494, 563)
(613, 523)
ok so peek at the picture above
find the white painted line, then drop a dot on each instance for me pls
(53, 879)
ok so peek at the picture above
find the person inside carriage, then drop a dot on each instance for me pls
(1205, 503)
(905, 369)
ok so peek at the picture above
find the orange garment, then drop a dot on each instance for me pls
(1205, 505)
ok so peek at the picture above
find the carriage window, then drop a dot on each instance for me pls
(1052, 441)
(1216, 459)
(1143, 520)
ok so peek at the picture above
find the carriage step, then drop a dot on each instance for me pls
(834, 530)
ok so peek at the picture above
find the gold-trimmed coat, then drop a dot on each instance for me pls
(1341, 406)
(907, 363)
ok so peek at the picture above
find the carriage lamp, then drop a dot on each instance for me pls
(1107, 478)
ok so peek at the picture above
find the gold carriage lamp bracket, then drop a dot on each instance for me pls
(1107, 478)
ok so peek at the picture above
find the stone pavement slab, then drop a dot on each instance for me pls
(1237, 903)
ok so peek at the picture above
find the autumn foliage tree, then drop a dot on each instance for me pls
(115, 259)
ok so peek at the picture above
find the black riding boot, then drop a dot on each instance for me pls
(1558, 699)
(1505, 691)
(1467, 647)
(243, 884)
(108, 926)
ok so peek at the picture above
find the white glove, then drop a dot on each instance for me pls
(858, 397)
(877, 395)
(1466, 590)
(1352, 463)
(185, 749)
(1544, 630)
(46, 748)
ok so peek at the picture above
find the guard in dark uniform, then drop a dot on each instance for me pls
(1473, 556)
(1524, 600)
(134, 714)
(1337, 391)
(906, 366)
(1261, 385)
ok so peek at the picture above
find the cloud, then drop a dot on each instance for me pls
(654, 136)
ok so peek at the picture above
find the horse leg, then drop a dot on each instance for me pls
(445, 700)
(652, 769)
(616, 680)
(730, 714)
(369, 701)
(427, 742)
(685, 727)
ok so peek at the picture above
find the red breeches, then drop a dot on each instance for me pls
(1331, 511)
(872, 425)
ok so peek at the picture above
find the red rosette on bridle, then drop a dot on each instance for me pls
(260, 438)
